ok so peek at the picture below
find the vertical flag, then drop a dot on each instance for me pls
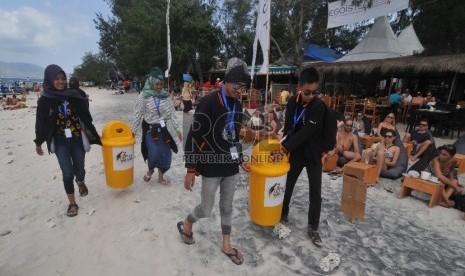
(262, 34)
(167, 72)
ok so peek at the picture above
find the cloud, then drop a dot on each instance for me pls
(28, 29)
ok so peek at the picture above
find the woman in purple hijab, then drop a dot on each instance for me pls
(64, 122)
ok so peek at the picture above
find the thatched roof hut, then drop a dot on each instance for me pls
(452, 63)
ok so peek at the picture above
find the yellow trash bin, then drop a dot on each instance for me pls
(267, 183)
(118, 154)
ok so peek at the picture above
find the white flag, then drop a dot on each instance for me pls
(167, 72)
(339, 14)
(262, 34)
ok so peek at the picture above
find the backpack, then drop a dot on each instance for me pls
(329, 130)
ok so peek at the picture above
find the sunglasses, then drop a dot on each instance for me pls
(310, 92)
(239, 86)
(348, 125)
(423, 124)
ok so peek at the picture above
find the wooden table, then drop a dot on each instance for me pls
(435, 190)
(461, 160)
(367, 141)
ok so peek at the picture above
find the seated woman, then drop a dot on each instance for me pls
(385, 155)
(388, 124)
(442, 166)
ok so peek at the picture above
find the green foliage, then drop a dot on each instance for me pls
(205, 33)
(94, 67)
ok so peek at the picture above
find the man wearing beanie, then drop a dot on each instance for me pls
(212, 150)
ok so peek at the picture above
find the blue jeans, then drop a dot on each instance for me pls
(70, 154)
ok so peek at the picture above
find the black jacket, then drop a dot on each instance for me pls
(47, 114)
(205, 149)
(304, 141)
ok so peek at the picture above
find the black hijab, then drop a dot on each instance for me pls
(49, 89)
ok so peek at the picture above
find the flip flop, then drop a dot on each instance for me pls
(234, 257)
(147, 176)
(165, 183)
(72, 212)
(315, 237)
(83, 191)
(185, 236)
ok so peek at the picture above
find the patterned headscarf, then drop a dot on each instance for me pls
(155, 76)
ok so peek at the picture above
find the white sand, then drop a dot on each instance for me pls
(133, 231)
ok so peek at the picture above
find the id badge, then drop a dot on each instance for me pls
(68, 133)
(162, 123)
(234, 153)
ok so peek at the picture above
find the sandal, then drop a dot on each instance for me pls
(72, 210)
(148, 176)
(234, 257)
(186, 238)
(315, 237)
(165, 183)
(83, 191)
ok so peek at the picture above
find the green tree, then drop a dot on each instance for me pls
(94, 67)
(136, 37)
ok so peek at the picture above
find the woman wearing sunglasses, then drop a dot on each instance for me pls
(389, 123)
(385, 155)
(443, 166)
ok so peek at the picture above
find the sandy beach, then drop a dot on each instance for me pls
(133, 231)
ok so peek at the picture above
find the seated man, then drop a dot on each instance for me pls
(420, 139)
(347, 146)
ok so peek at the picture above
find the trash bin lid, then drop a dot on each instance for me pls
(261, 161)
(117, 133)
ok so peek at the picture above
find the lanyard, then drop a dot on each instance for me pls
(230, 118)
(65, 109)
(157, 105)
(297, 119)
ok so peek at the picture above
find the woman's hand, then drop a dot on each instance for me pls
(39, 150)
(189, 181)
(245, 166)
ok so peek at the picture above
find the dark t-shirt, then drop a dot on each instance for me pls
(419, 137)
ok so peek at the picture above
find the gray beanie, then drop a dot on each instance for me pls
(236, 71)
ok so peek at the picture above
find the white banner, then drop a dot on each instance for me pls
(262, 34)
(167, 72)
(339, 14)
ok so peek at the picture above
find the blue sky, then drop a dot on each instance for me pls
(49, 31)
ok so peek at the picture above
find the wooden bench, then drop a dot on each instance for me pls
(331, 164)
(435, 190)
(353, 197)
(367, 141)
(461, 163)
(356, 176)
(408, 148)
(362, 171)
